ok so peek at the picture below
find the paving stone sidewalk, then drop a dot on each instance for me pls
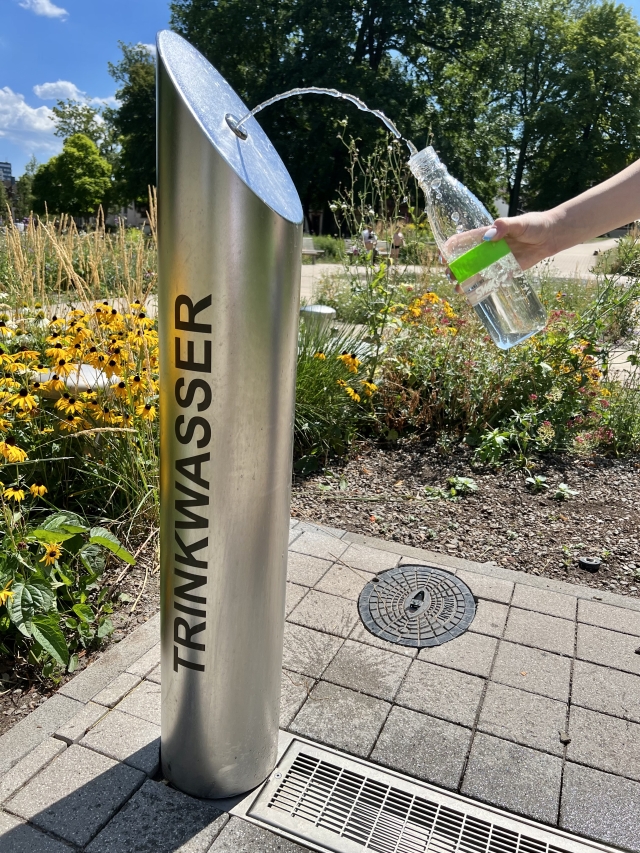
(536, 709)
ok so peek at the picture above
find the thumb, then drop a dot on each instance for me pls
(508, 227)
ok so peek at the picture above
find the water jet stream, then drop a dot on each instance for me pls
(235, 125)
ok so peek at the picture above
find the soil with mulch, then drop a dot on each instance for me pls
(389, 494)
(136, 598)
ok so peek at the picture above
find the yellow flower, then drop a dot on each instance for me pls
(24, 401)
(6, 594)
(63, 367)
(369, 388)
(146, 411)
(120, 390)
(52, 553)
(350, 361)
(353, 394)
(5, 330)
(320, 356)
(69, 405)
(11, 452)
(72, 423)
(14, 494)
(341, 383)
(431, 297)
(54, 384)
(38, 489)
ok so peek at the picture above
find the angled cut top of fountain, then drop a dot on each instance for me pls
(210, 99)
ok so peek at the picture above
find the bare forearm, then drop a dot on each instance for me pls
(602, 208)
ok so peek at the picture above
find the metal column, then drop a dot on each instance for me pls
(230, 235)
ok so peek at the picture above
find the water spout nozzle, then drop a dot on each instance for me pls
(234, 124)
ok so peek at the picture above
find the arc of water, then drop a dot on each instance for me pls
(334, 93)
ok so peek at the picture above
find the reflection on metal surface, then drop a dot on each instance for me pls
(230, 235)
(416, 606)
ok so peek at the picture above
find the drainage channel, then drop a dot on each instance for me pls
(330, 801)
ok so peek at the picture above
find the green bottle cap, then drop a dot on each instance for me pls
(478, 259)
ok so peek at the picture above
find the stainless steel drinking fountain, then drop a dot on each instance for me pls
(230, 237)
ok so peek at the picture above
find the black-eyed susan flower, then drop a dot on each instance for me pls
(320, 356)
(10, 451)
(350, 361)
(146, 411)
(24, 401)
(353, 394)
(63, 367)
(13, 494)
(52, 552)
(6, 593)
(369, 388)
(72, 423)
(120, 390)
(54, 384)
(38, 489)
(69, 405)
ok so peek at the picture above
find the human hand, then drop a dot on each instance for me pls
(531, 237)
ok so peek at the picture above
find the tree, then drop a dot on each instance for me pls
(76, 181)
(134, 122)
(75, 117)
(4, 201)
(23, 204)
(592, 129)
(370, 48)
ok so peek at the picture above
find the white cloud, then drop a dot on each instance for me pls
(59, 91)
(45, 8)
(29, 127)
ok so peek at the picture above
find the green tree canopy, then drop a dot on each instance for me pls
(77, 181)
(4, 200)
(134, 123)
(23, 202)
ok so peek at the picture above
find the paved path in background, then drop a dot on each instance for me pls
(536, 709)
(576, 261)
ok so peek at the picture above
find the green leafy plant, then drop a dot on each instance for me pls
(563, 492)
(537, 483)
(51, 598)
(462, 485)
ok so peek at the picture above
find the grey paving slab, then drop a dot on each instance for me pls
(361, 634)
(294, 689)
(541, 631)
(28, 766)
(514, 777)
(444, 693)
(545, 601)
(367, 670)
(472, 653)
(19, 837)
(601, 806)
(324, 529)
(327, 613)
(143, 702)
(370, 560)
(613, 618)
(606, 743)
(145, 664)
(344, 581)
(158, 819)
(35, 728)
(490, 618)
(306, 570)
(117, 689)
(240, 836)
(73, 730)
(423, 747)
(608, 648)
(154, 675)
(128, 739)
(318, 544)
(482, 586)
(295, 593)
(525, 718)
(532, 669)
(342, 718)
(308, 652)
(76, 794)
(115, 660)
(606, 690)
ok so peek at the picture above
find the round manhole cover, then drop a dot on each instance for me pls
(416, 606)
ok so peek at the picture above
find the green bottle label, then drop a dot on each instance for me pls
(478, 259)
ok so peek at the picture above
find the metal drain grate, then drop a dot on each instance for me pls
(416, 606)
(338, 803)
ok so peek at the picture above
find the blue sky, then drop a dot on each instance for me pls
(60, 48)
(53, 49)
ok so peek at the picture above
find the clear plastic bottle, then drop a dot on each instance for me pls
(488, 273)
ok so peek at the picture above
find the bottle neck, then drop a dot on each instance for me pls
(426, 165)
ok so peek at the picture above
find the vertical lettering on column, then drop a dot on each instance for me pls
(191, 486)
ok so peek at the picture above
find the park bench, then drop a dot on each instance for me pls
(310, 250)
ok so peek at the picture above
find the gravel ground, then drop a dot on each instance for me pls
(382, 493)
(20, 688)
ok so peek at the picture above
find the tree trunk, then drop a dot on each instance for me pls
(514, 195)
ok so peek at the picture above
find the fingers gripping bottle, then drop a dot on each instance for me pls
(488, 273)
